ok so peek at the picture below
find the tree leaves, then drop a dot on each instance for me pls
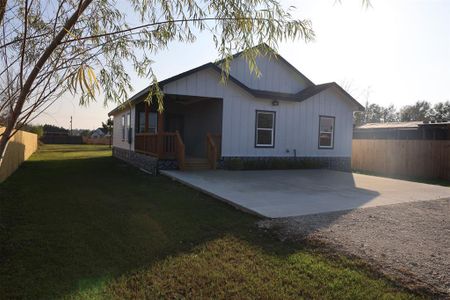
(419, 111)
(86, 80)
(111, 39)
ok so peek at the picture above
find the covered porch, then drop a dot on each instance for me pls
(189, 129)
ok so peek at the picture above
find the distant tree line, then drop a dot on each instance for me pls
(419, 111)
(37, 129)
(41, 130)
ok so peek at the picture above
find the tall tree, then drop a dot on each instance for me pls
(374, 113)
(389, 114)
(108, 127)
(420, 111)
(50, 47)
(441, 111)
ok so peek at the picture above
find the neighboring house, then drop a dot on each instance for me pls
(404, 131)
(98, 133)
(281, 114)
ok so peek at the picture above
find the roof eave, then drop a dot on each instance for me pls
(255, 93)
(355, 102)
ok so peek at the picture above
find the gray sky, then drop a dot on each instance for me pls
(396, 52)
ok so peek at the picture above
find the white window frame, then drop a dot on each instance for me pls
(123, 127)
(128, 120)
(272, 130)
(324, 131)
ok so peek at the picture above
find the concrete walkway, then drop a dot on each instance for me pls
(287, 193)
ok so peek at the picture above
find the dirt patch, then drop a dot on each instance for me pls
(409, 243)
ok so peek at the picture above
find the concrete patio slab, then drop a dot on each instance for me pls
(288, 193)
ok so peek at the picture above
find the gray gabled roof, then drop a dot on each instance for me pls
(314, 90)
(302, 95)
(278, 56)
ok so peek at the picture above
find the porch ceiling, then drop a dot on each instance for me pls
(186, 99)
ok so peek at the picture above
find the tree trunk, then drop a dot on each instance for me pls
(2, 9)
(15, 113)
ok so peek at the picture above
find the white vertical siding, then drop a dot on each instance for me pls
(296, 128)
(297, 123)
(275, 75)
(117, 129)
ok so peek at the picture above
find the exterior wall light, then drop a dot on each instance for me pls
(275, 103)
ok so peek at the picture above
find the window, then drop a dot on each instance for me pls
(129, 127)
(326, 132)
(141, 127)
(265, 129)
(152, 122)
(123, 127)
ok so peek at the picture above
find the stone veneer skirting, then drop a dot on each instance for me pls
(167, 164)
(152, 164)
(328, 162)
(141, 161)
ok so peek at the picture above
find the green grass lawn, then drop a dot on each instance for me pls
(77, 223)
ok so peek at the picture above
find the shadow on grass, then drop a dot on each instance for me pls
(71, 225)
(65, 223)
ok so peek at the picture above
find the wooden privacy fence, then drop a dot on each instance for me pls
(105, 140)
(19, 149)
(406, 158)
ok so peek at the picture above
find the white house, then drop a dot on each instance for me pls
(281, 114)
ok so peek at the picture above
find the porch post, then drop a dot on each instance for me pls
(160, 132)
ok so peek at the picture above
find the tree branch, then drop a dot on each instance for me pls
(2, 9)
(162, 23)
(34, 73)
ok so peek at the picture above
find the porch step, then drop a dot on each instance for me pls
(194, 164)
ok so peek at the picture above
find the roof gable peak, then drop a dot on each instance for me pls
(269, 51)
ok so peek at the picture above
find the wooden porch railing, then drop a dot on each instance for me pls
(213, 144)
(169, 145)
(165, 145)
(162, 145)
(146, 143)
(217, 138)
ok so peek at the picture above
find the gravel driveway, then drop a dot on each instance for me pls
(408, 242)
